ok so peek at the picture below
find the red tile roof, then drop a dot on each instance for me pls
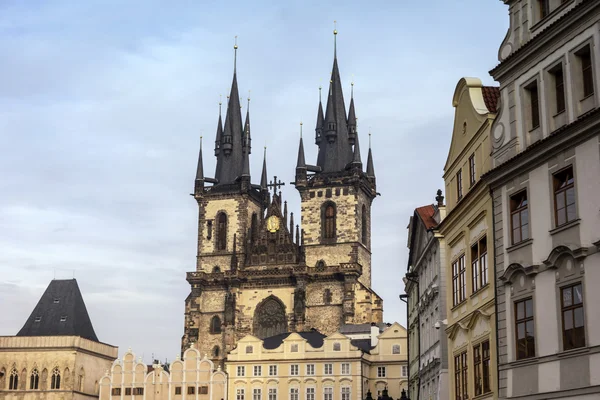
(426, 214)
(491, 95)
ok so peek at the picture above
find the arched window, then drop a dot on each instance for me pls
(81, 379)
(34, 380)
(55, 380)
(396, 349)
(13, 382)
(215, 324)
(222, 232)
(364, 225)
(269, 318)
(329, 221)
(216, 351)
(216, 269)
(327, 296)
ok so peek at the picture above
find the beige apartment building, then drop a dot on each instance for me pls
(468, 236)
(192, 377)
(56, 355)
(310, 365)
(546, 185)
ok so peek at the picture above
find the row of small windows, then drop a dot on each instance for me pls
(294, 370)
(294, 393)
(136, 391)
(336, 347)
(34, 379)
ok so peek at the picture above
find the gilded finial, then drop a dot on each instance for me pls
(334, 27)
(300, 129)
(235, 47)
(334, 39)
(320, 87)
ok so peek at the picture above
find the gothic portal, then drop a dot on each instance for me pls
(259, 270)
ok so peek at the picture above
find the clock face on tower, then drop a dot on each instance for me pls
(273, 223)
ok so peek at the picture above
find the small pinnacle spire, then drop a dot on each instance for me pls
(370, 167)
(246, 167)
(235, 47)
(199, 171)
(301, 161)
(357, 160)
(263, 177)
(292, 225)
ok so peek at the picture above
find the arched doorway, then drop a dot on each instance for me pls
(269, 318)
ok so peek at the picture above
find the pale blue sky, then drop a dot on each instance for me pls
(102, 104)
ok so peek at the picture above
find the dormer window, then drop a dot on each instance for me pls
(38, 319)
(63, 318)
(294, 348)
(56, 301)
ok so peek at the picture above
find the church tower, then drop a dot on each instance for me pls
(257, 272)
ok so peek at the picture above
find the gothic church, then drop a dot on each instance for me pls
(257, 272)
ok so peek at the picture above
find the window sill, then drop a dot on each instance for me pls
(483, 396)
(559, 113)
(519, 245)
(458, 305)
(573, 352)
(586, 97)
(523, 362)
(481, 289)
(543, 21)
(564, 227)
(535, 128)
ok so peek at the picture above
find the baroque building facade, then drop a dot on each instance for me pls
(193, 376)
(426, 288)
(545, 187)
(467, 230)
(310, 365)
(56, 355)
(257, 273)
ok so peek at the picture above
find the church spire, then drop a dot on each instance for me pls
(248, 137)
(301, 161)
(352, 118)
(200, 168)
(230, 159)
(263, 176)
(356, 160)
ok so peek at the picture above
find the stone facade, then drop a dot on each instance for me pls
(335, 365)
(62, 367)
(545, 145)
(468, 236)
(426, 288)
(192, 377)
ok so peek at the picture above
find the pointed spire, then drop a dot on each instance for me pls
(263, 177)
(219, 131)
(356, 161)
(285, 213)
(200, 168)
(352, 119)
(297, 233)
(248, 141)
(370, 168)
(292, 226)
(246, 166)
(301, 161)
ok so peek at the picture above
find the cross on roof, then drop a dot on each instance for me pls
(275, 184)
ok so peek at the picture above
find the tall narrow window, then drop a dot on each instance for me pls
(216, 351)
(222, 232)
(364, 227)
(481, 366)
(472, 170)
(459, 284)
(209, 229)
(13, 381)
(256, 394)
(215, 325)
(459, 191)
(559, 88)
(479, 268)
(477, 370)
(544, 8)
(461, 387)
(587, 74)
(310, 393)
(257, 370)
(534, 105)
(327, 296)
(328, 393)
(55, 380)
(486, 357)
(346, 393)
(239, 394)
(573, 325)
(519, 215)
(294, 392)
(272, 393)
(564, 196)
(329, 222)
(34, 381)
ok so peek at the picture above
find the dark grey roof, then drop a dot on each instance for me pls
(314, 338)
(60, 312)
(362, 344)
(355, 328)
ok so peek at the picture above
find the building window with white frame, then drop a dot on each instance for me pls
(310, 393)
(328, 393)
(404, 371)
(381, 372)
(272, 370)
(257, 370)
(294, 369)
(294, 393)
(346, 393)
(345, 368)
(396, 349)
(239, 394)
(310, 369)
(272, 393)
(241, 370)
(256, 394)
(327, 369)
(337, 346)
